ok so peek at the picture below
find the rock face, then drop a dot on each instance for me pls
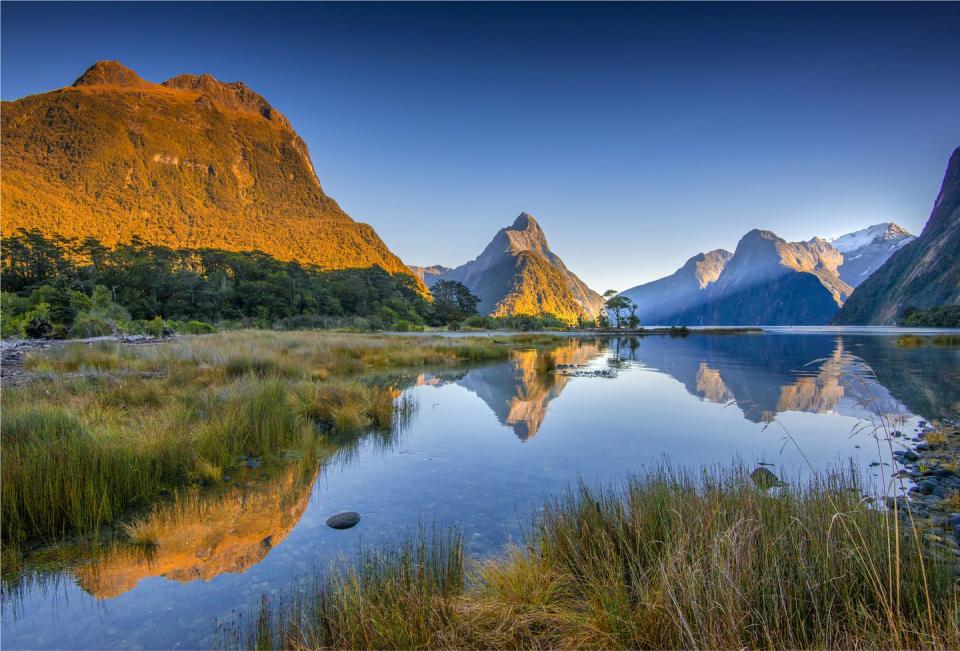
(866, 250)
(766, 281)
(660, 301)
(924, 273)
(193, 162)
(518, 274)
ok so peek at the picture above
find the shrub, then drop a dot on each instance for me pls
(38, 327)
(197, 328)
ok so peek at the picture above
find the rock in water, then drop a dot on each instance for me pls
(343, 520)
(763, 478)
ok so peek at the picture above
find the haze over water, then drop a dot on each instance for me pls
(485, 446)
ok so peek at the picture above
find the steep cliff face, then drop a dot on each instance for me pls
(660, 301)
(193, 162)
(518, 274)
(866, 250)
(924, 273)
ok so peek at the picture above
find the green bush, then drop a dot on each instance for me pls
(196, 328)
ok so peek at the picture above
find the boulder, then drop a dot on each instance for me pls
(343, 520)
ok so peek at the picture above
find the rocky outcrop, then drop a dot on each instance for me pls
(924, 273)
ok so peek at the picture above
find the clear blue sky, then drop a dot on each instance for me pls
(638, 135)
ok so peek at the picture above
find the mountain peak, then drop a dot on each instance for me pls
(518, 274)
(523, 222)
(524, 234)
(759, 234)
(109, 73)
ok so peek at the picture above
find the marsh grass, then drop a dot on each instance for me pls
(400, 597)
(668, 560)
(100, 431)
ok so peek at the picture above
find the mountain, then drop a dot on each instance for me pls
(924, 273)
(193, 162)
(517, 274)
(766, 281)
(866, 250)
(659, 302)
(770, 281)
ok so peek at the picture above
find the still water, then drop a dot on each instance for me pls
(483, 448)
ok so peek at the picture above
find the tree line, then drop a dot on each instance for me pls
(58, 287)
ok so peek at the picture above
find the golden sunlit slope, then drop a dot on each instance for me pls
(193, 162)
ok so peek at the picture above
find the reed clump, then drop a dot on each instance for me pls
(668, 560)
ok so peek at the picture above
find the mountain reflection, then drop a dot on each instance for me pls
(769, 374)
(202, 537)
(520, 390)
(764, 375)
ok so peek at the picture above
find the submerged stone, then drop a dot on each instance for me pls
(343, 520)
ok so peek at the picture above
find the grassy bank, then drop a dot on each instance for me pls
(667, 561)
(93, 432)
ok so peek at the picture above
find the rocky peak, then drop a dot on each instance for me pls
(525, 234)
(235, 95)
(109, 73)
(524, 221)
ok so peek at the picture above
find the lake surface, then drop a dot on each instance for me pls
(483, 449)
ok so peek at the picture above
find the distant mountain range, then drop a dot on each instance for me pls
(767, 280)
(923, 273)
(190, 163)
(518, 274)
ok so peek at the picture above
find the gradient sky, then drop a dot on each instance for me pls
(637, 134)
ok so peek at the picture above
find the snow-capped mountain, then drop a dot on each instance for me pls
(864, 251)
